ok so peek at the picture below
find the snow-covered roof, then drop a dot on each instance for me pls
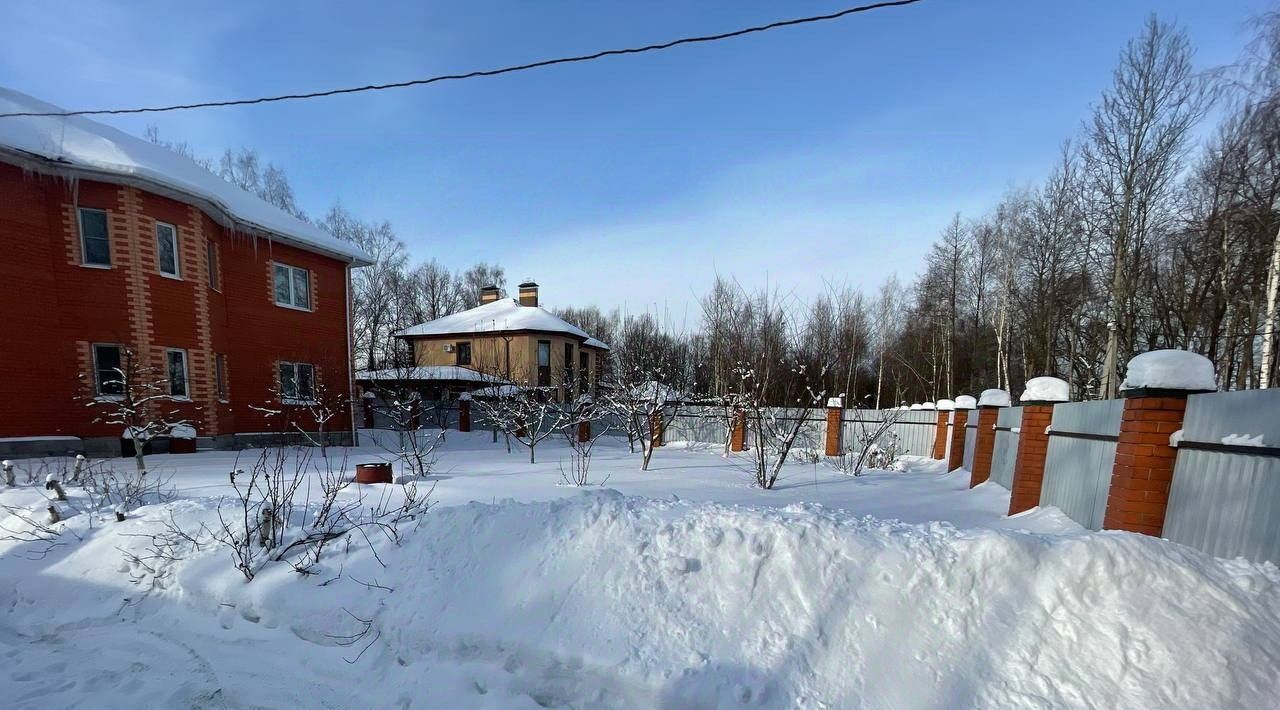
(502, 315)
(1046, 389)
(498, 391)
(1170, 369)
(433, 372)
(78, 145)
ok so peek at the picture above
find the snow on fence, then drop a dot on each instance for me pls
(1082, 452)
(1006, 448)
(1225, 498)
(970, 439)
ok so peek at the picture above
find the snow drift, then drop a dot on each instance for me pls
(604, 600)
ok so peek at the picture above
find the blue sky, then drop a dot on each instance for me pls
(832, 152)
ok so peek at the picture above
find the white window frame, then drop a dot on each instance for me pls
(186, 375)
(293, 296)
(97, 383)
(177, 255)
(296, 398)
(84, 252)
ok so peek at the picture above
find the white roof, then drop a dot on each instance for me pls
(80, 144)
(434, 372)
(502, 315)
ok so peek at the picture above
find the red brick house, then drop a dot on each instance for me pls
(112, 244)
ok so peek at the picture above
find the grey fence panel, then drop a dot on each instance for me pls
(970, 440)
(1227, 503)
(1006, 449)
(699, 424)
(914, 429)
(1077, 470)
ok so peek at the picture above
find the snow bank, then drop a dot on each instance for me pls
(964, 401)
(994, 398)
(704, 605)
(1046, 389)
(601, 600)
(1170, 369)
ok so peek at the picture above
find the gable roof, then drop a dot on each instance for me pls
(78, 145)
(504, 315)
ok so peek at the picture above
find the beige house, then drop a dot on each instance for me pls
(513, 339)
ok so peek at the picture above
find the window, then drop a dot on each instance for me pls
(568, 366)
(177, 360)
(215, 276)
(297, 382)
(462, 352)
(293, 287)
(167, 249)
(584, 372)
(94, 245)
(108, 374)
(544, 363)
(220, 376)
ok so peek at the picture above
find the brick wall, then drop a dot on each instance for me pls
(1143, 470)
(1033, 448)
(53, 308)
(984, 445)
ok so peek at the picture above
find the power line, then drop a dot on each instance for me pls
(479, 73)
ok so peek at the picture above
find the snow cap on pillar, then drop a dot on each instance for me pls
(994, 398)
(927, 405)
(946, 405)
(835, 402)
(915, 407)
(1170, 370)
(964, 401)
(1046, 389)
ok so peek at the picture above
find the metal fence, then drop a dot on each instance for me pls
(1006, 449)
(970, 440)
(1225, 499)
(1082, 452)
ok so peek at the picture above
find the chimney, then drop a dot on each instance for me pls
(529, 294)
(488, 294)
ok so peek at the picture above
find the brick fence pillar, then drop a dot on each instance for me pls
(835, 427)
(738, 435)
(1155, 394)
(657, 431)
(366, 408)
(584, 423)
(464, 415)
(989, 406)
(940, 434)
(959, 421)
(1033, 447)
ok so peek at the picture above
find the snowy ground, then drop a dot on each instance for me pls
(680, 587)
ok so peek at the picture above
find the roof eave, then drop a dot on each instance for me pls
(216, 210)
